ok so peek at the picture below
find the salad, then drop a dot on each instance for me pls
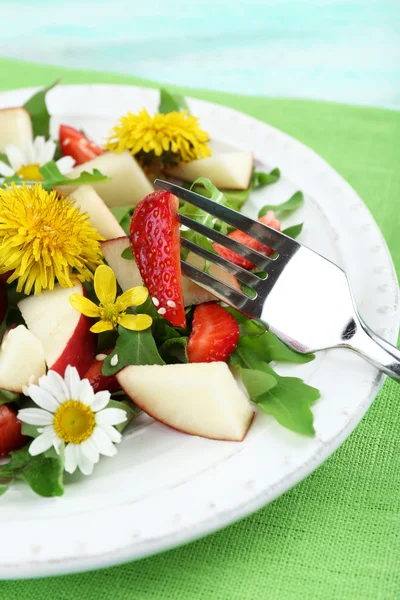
(97, 321)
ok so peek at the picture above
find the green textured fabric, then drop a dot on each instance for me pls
(337, 534)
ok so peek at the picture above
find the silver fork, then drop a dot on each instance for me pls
(305, 298)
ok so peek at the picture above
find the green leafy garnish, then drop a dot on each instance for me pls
(37, 108)
(293, 231)
(132, 348)
(3, 489)
(174, 350)
(286, 208)
(127, 254)
(129, 407)
(267, 347)
(123, 215)
(6, 397)
(257, 382)
(171, 102)
(262, 178)
(43, 473)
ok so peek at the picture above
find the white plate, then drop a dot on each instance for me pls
(165, 488)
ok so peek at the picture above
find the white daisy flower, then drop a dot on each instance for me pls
(26, 163)
(72, 416)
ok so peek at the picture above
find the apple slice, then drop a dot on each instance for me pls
(21, 359)
(88, 201)
(128, 275)
(198, 398)
(15, 127)
(230, 171)
(64, 332)
(128, 184)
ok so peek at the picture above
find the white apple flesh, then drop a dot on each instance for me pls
(128, 274)
(199, 398)
(88, 201)
(128, 184)
(21, 359)
(230, 171)
(63, 331)
(15, 128)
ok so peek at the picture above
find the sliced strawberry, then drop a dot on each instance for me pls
(268, 219)
(76, 144)
(97, 380)
(215, 334)
(155, 241)
(11, 437)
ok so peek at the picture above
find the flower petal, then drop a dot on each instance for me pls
(35, 416)
(71, 458)
(103, 443)
(101, 326)
(15, 156)
(111, 416)
(42, 443)
(5, 170)
(86, 393)
(112, 433)
(135, 322)
(65, 164)
(54, 384)
(85, 465)
(101, 399)
(90, 450)
(47, 152)
(84, 305)
(43, 398)
(133, 297)
(105, 284)
(37, 150)
(72, 381)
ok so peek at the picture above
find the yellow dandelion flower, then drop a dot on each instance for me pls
(112, 310)
(173, 138)
(44, 238)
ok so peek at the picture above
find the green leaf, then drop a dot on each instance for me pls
(37, 108)
(261, 178)
(132, 348)
(289, 403)
(282, 353)
(257, 382)
(293, 231)
(123, 215)
(286, 208)
(127, 253)
(267, 347)
(44, 474)
(129, 407)
(171, 102)
(174, 350)
(6, 397)
(53, 177)
(3, 489)
(29, 430)
(4, 158)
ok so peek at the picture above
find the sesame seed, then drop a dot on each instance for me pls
(101, 356)
(162, 311)
(155, 301)
(171, 304)
(114, 360)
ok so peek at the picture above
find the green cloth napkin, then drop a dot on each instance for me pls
(336, 535)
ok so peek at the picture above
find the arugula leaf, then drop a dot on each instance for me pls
(132, 348)
(37, 108)
(284, 209)
(3, 489)
(289, 402)
(44, 474)
(261, 178)
(265, 348)
(29, 430)
(127, 254)
(175, 350)
(293, 231)
(129, 407)
(171, 102)
(6, 397)
(52, 177)
(4, 158)
(123, 215)
(257, 382)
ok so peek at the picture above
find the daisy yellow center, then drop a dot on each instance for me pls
(30, 172)
(74, 422)
(44, 238)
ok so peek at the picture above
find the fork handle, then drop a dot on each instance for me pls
(376, 350)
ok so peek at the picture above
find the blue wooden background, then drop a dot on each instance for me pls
(344, 50)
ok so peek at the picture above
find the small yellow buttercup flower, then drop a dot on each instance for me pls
(173, 138)
(112, 310)
(44, 238)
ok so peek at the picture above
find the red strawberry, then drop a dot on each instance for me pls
(11, 437)
(76, 144)
(215, 334)
(97, 380)
(155, 241)
(268, 219)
